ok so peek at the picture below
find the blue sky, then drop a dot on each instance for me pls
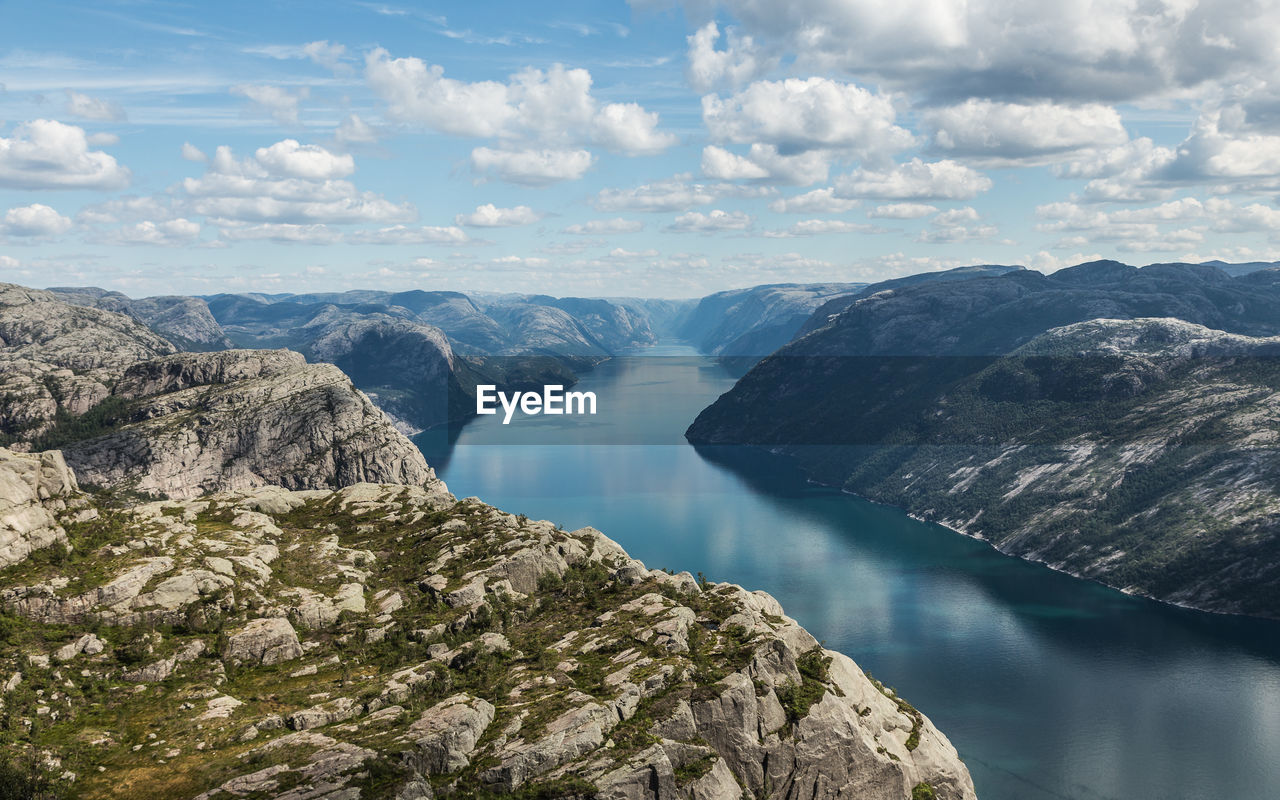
(607, 148)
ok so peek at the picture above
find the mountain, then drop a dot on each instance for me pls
(369, 635)
(184, 321)
(1109, 421)
(131, 414)
(834, 306)
(420, 354)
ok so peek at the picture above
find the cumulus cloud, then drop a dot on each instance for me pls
(542, 119)
(282, 233)
(763, 162)
(915, 180)
(46, 154)
(818, 227)
(281, 104)
(325, 53)
(531, 167)
(797, 115)
(401, 234)
(9, 262)
(130, 208)
(490, 216)
(35, 220)
(1098, 51)
(354, 130)
(1133, 230)
(818, 201)
(902, 211)
(598, 227)
(739, 62)
(166, 233)
(192, 153)
(672, 194)
(628, 128)
(288, 183)
(715, 220)
(1021, 132)
(94, 108)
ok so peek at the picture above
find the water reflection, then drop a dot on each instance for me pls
(1049, 686)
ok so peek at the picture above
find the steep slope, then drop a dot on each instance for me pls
(184, 321)
(58, 360)
(752, 323)
(829, 309)
(189, 424)
(1141, 458)
(390, 641)
(33, 489)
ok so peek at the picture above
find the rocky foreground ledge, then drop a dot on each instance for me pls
(392, 641)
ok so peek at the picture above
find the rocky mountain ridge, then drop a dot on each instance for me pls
(1135, 451)
(392, 641)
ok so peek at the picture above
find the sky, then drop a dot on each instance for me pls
(658, 148)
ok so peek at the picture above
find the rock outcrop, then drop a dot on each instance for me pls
(33, 488)
(1138, 452)
(202, 422)
(184, 321)
(476, 653)
(57, 358)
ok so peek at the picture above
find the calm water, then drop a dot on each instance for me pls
(1050, 687)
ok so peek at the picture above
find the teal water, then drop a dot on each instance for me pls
(1050, 687)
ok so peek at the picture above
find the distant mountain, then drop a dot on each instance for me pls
(1139, 452)
(745, 325)
(185, 321)
(1236, 270)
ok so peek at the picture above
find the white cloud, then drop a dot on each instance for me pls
(521, 261)
(35, 220)
(287, 183)
(902, 211)
(401, 234)
(490, 216)
(741, 60)
(324, 53)
(671, 194)
(532, 167)
(46, 154)
(192, 153)
(818, 201)
(537, 116)
(94, 108)
(354, 130)
(283, 233)
(915, 180)
(818, 227)
(1108, 50)
(125, 209)
(628, 128)
(763, 163)
(956, 216)
(797, 115)
(9, 262)
(715, 220)
(307, 161)
(1012, 131)
(102, 139)
(597, 227)
(281, 104)
(168, 233)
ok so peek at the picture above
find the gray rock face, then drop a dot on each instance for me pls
(185, 321)
(570, 665)
(308, 428)
(58, 357)
(263, 641)
(33, 488)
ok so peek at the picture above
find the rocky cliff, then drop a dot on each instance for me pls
(394, 642)
(200, 422)
(33, 489)
(1137, 452)
(58, 360)
(184, 321)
